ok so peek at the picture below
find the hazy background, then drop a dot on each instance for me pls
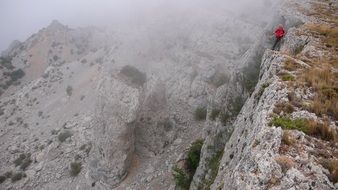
(21, 18)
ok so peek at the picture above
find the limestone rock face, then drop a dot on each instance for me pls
(113, 132)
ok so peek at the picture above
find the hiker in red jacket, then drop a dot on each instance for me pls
(279, 33)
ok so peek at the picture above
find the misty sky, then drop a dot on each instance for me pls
(21, 18)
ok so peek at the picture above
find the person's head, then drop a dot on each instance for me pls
(280, 26)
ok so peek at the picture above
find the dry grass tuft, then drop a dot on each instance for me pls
(332, 166)
(283, 107)
(321, 130)
(285, 163)
(291, 65)
(287, 138)
(323, 82)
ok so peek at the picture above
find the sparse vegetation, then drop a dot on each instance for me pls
(135, 76)
(291, 65)
(298, 49)
(193, 157)
(332, 166)
(15, 75)
(261, 91)
(2, 179)
(309, 127)
(24, 160)
(287, 123)
(284, 162)
(69, 90)
(214, 114)
(64, 135)
(200, 113)
(75, 168)
(287, 138)
(182, 179)
(287, 77)
(183, 176)
(213, 165)
(6, 62)
(323, 81)
(17, 176)
(283, 108)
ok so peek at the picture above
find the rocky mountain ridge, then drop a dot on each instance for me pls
(118, 109)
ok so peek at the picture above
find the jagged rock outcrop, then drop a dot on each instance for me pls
(113, 131)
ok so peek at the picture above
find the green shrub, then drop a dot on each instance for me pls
(193, 157)
(261, 91)
(17, 176)
(298, 49)
(20, 159)
(15, 75)
(224, 117)
(64, 135)
(214, 114)
(181, 178)
(213, 164)
(26, 162)
(69, 90)
(2, 178)
(200, 113)
(290, 124)
(75, 168)
(6, 62)
(8, 174)
(288, 77)
(135, 76)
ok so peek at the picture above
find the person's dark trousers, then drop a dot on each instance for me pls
(276, 42)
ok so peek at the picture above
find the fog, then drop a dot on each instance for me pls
(21, 18)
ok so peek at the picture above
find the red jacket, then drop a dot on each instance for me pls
(279, 32)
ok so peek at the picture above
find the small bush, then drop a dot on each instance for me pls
(285, 163)
(135, 76)
(69, 90)
(213, 165)
(332, 166)
(288, 77)
(26, 162)
(2, 178)
(64, 135)
(287, 138)
(181, 178)
(15, 75)
(261, 91)
(214, 114)
(17, 176)
(309, 127)
(20, 159)
(75, 168)
(298, 49)
(291, 65)
(287, 123)
(200, 113)
(8, 174)
(321, 130)
(224, 117)
(194, 155)
(283, 107)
